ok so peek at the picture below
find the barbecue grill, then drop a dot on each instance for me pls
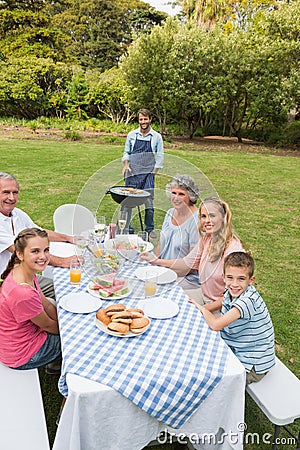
(129, 197)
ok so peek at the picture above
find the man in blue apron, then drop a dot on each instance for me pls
(143, 156)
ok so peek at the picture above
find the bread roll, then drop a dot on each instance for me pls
(117, 327)
(123, 317)
(113, 309)
(103, 317)
(136, 312)
(139, 325)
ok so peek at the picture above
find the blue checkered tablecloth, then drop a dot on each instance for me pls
(167, 371)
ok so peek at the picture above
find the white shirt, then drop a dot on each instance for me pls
(10, 227)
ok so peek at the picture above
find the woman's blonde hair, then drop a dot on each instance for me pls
(220, 239)
(20, 244)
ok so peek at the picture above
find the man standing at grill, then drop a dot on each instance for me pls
(143, 156)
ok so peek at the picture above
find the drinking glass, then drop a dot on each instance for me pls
(122, 220)
(142, 238)
(100, 226)
(81, 243)
(150, 283)
(75, 273)
(154, 238)
(98, 249)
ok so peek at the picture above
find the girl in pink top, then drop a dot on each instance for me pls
(29, 335)
(217, 240)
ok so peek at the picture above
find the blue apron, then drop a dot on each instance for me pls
(142, 164)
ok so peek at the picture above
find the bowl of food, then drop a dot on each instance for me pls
(126, 246)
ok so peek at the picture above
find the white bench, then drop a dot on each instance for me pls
(278, 396)
(22, 417)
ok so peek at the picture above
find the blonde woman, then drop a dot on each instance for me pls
(217, 240)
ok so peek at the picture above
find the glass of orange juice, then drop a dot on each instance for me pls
(150, 283)
(98, 250)
(75, 273)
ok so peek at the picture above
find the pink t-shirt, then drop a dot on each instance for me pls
(20, 338)
(210, 273)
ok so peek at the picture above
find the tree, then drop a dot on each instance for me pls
(204, 12)
(108, 94)
(99, 32)
(32, 87)
(27, 32)
(145, 69)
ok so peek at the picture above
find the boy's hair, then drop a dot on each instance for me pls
(240, 259)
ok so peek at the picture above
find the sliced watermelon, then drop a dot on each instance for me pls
(119, 288)
(105, 280)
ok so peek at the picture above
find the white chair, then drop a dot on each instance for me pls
(278, 396)
(22, 417)
(73, 219)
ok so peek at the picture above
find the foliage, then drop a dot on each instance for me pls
(25, 32)
(90, 33)
(145, 69)
(31, 87)
(98, 33)
(209, 12)
(73, 136)
(204, 12)
(108, 95)
(289, 135)
(60, 59)
(231, 81)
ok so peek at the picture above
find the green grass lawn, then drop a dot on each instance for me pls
(262, 190)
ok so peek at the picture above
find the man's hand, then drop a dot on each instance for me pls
(125, 168)
(62, 262)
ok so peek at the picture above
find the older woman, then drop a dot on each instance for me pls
(217, 240)
(179, 233)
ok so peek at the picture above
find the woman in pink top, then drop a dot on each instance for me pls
(29, 335)
(217, 240)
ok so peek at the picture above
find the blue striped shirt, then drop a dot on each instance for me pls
(251, 337)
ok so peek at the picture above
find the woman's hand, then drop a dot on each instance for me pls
(149, 257)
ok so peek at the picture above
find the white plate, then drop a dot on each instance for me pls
(80, 302)
(103, 328)
(95, 293)
(164, 275)
(62, 249)
(159, 308)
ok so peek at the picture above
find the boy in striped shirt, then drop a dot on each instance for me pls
(245, 323)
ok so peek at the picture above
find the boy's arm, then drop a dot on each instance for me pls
(214, 306)
(218, 323)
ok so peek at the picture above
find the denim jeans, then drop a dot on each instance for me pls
(50, 351)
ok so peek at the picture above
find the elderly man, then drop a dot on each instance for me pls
(13, 220)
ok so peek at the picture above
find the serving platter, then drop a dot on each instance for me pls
(103, 328)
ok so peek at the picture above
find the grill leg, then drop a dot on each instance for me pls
(140, 216)
(276, 435)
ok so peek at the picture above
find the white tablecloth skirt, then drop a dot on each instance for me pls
(97, 417)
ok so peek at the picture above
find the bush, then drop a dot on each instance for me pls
(73, 135)
(290, 135)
